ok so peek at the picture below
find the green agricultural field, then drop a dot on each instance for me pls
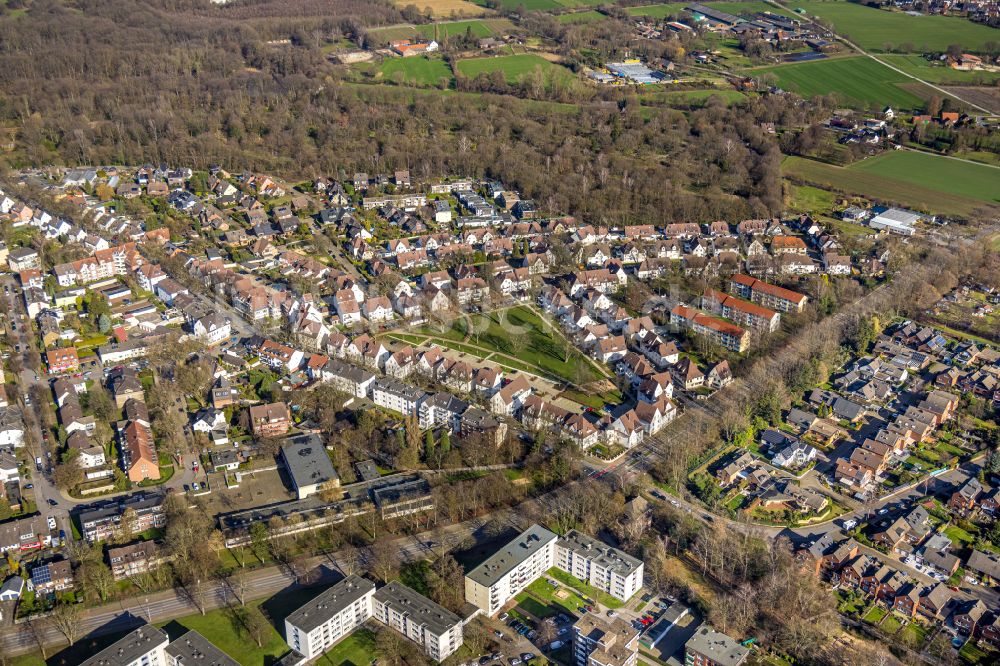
(529, 5)
(581, 3)
(882, 182)
(975, 181)
(515, 67)
(591, 16)
(385, 35)
(743, 8)
(881, 30)
(452, 28)
(416, 70)
(657, 11)
(693, 97)
(937, 72)
(858, 80)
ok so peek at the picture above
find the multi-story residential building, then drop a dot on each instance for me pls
(708, 647)
(768, 295)
(397, 396)
(429, 625)
(145, 646)
(24, 534)
(600, 642)
(594, 562)
(315, 627)
(721, 332)
(270, 420)
(193, 648)
(64, 359)
(742, 312)
(134, 559)
(511, 569)
(102, 520)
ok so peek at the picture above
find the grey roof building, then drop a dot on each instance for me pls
(146, 642)
(308, 464)
(708, 646)
(430, 625)
(193, 648)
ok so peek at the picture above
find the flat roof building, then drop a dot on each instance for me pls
(316, 626)
(511, 569)
(602, 566)
(601, 642)
(308, 465)
(429, 625)
(193, 648)
(708, 647)
(145, 645)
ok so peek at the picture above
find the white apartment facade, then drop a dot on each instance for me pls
(434, 628)
(510, 570)
(318, 625)
(594, 562)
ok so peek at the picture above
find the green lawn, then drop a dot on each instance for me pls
(976, 181)
(857, 80)
(358, 649)
(584, 589)
(958, 536)
(930, 195)
(875, 615)
(501, 332)
(419, 70)
(591, 16)
(938, 72)
(748, 8)
(692, 97)
(879, 30)
(914, 634)
(539, 597)
(217, 626)
(529, 5)
(890, 625)
(515, 67)
(581, 3)
(808, 199)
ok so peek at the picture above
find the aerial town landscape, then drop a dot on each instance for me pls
(499, 333)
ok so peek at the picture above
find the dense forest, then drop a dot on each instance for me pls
(188, 83)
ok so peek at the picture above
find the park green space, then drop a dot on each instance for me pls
(857, 80)
(419, 70)
(503, 332)
(938, 72)
(514, 67)
(881, 30)
(591, 16)
(541, 600)
(883, 182)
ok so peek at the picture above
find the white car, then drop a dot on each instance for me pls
(52, 523)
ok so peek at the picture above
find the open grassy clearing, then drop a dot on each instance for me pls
(452, 28)
(808, 199)
(519, 333)
(881, 30)
(394, 33)
(581, 3)
(529, 5)
(514, 67)
(697, 97)
(220, 629)
(446, 8)
(419, 70)
(657, 11)
(585, 589)
(859, 81)
(938, 72)
(591, 16)
(877, 187)
(935, 172)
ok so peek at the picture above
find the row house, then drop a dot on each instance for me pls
(741, 312)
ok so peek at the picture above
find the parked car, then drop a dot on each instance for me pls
(504, 616)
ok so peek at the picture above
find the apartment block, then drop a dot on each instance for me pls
(768, 295)
(511, 569)
(740, 311)
(601, 642)
(318, 625)
(708, 647)
(146, 646)
(721, 332)
(434, 628)
(594, 562)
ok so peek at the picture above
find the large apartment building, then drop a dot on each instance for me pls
(768, 295)
(146, 646)
(511, 569)
(708, 647)
(315, 627)
(727, 335)
(594, 562)
(429, 625)
(601, 642)
(740, 311)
